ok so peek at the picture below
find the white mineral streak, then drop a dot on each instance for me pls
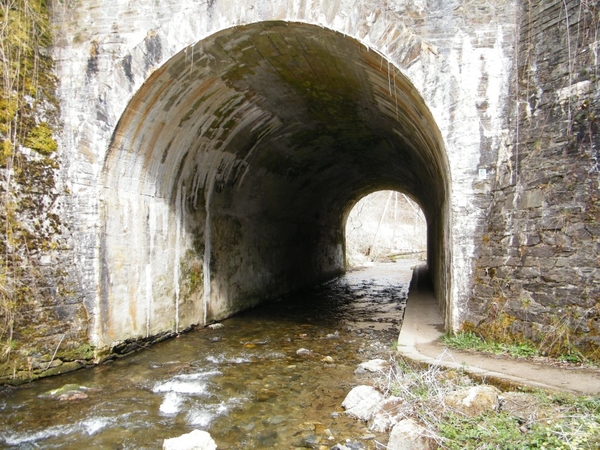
(152, 236)
(179, 217)
(208, 189)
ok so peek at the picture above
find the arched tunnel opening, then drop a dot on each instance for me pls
(231, 173)
(384, 226)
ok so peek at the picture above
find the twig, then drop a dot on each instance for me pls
(55, 351)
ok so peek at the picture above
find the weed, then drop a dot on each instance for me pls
(542, 421)
(468, 340)
(28, 121)
(495, 431)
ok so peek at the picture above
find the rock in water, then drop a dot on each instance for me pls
(304, 352)
(374, 365)
(196, 440)
(361, 401)
(67, 392)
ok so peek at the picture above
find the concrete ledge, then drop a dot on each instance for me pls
(419, 341)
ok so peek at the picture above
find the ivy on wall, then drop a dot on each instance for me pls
(28, 121)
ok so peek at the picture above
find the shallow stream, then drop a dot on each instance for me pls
(245, 382)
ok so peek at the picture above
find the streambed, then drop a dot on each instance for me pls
(272, 377)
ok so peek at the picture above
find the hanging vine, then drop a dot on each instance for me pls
(28, 120)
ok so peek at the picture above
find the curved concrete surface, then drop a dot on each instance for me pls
(234, 167)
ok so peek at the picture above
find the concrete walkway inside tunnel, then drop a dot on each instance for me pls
(419, 341)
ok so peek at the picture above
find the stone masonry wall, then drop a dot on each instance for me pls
(538, 271)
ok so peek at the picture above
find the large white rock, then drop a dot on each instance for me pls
(196, 440)
(409, 435)
(374, 365)
(362, 401)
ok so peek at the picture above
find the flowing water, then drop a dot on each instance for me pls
(245, 382)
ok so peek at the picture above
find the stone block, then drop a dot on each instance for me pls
(562, 275)
(531, 199)
(538, 251)
(527, 272)
(529, 312)
(544, 298)
(529, 239)
(593, 229)
(483, 291)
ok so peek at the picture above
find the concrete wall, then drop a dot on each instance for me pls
(161, 245)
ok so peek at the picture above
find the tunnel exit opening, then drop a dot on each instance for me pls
(385, 226)
(231, 175)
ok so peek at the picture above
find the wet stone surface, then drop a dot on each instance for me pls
(273, 377)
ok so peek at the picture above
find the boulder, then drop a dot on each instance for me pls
(475, 400)
(196, 440)
(386, 414)
(409, 435)
(362, 401)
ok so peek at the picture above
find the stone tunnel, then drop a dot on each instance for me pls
(212, 151)
(209, 153)
(231, 172)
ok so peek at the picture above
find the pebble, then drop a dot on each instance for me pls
(304, 352)
(276, 420)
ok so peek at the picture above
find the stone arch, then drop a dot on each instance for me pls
(231, 171)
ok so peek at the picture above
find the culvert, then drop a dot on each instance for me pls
(232, 170)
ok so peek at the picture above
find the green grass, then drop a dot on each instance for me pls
(575, 424)
(524, 420)
(467, 340)
(503, 431)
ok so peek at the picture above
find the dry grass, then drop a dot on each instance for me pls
(535, 420)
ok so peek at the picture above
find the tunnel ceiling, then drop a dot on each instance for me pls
(279, 118)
